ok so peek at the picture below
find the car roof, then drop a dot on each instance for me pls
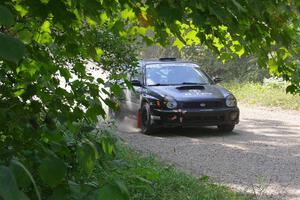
(143, 63)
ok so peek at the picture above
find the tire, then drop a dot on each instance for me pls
(226, 127)
(146, 127)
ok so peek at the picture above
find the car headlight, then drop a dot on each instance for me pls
(170, 102)
(230, 101)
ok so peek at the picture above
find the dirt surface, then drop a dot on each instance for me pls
(261, 156)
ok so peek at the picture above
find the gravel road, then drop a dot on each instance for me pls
(261, 156)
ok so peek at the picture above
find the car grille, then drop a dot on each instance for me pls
(203, 104)
(204, 119)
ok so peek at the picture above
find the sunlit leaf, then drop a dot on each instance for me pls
(178, 44)
(21, 10)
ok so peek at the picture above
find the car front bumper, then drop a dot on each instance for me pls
(194, 117)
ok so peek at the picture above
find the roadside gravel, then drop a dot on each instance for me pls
(261, 156)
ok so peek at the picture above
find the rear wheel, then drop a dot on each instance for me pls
(226, 127)
(146, 127)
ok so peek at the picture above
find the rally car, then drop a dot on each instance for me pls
(174, 93)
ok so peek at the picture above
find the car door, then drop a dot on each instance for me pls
(135, 94)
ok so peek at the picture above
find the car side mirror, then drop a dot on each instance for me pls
(136, 83)
(217, 79)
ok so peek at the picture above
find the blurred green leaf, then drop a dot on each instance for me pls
(116, 89)
(23, 176)
(8, 184)
(11, 49)
(52, 171)
(291, 89)
(25, 36)
(87, 155)
(59, 193)
(23, 196)
(109, 192)
(6, 17)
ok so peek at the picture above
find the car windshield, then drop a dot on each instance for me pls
(175, 74)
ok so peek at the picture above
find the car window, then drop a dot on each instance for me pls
(173, 74)
(138, 75)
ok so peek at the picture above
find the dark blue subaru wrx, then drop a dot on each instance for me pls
(173, 93)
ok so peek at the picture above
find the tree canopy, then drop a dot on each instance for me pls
(45, 41)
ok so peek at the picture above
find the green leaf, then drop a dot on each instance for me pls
(291, 89)
(11, 49)
(23, 196)
(178, 44)
(19, 92)
(110, 103)
(65, 73)
(22, 11)
(25, 36)
(79, 68)
(116, 90)
(23, 176)
(59, 194)
(8, 184)
(121, 185)
(6, 18)
(99, 51)
(45, 1)
(109, 192)
(87, 155)
(52, 171)
(239, 7)
(44, 35)
(127, 14)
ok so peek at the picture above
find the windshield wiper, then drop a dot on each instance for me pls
(158, 84)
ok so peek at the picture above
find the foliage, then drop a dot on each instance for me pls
(48, 91)
(51, 93)
(241, 69)
(269, 95)
(266, 29)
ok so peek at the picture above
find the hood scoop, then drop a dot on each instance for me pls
(191, 87)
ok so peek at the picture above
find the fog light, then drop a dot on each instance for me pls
(233, 116)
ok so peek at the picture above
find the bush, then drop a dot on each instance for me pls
(270, 94)
(62, 167)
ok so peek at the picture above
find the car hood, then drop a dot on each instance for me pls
(189, 92)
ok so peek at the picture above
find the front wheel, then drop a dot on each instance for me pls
(226, 127)
(146, 126)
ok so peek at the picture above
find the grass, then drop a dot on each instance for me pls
(147, 178)
(272, 95)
